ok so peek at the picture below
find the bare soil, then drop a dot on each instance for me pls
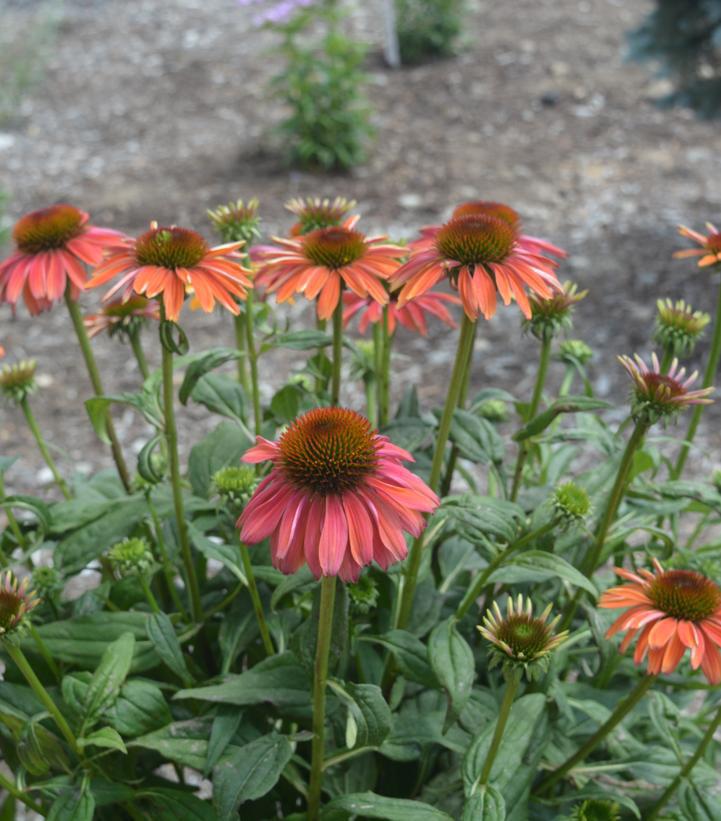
(156, 110)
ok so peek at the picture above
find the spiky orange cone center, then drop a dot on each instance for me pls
(334, 247)
(47, 229)
(170, 248)
(488, 208)
(476, 239)
(685, 594)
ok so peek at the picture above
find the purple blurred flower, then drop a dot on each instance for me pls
(275, 11)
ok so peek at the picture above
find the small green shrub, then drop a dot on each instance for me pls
(427, 29)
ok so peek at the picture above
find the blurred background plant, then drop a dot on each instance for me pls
(427, 29)
(23, 59)
(321, 83)
(686, 37)
(4, 224)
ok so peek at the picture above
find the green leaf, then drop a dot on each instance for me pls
(302, 340)
(476, 438)
(206, 362)
(568, 404)
(184, 742)
(38, 748)
(516, 737)
(146, 402)
(369, 716)
(537, 565)
(162, 634)
(453, 663)
(227, 555)
(75, 803)
(410, 654)
(249, 773)
(107, 680)
(221, 394)
(176, 805)
(38, 508)
(279, 680)
(81, 641)
(223, 446)
(476, 518)
(486, 804)
(225, 724)
(140, 708)
(302, 581)
(104, 737)
(370, 805)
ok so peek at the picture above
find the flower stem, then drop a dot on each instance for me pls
(242, 363)
(371, 388)
(385, 372)
(505, 710)
(152, 601)
(96, 382)
(18, 658)
(44, 652)
(337, 353)
(255, 598)
(708, 378)
(7, 785)
(253, 362)
(461, 364)
(545, 357)
(12, 521)
(164, 558)
(667, 359)
(325, 628)
(139, 353)
(480, 582)
(378, 364)
(171, 436)
(623, 708)
(686, 769)
(37, 434)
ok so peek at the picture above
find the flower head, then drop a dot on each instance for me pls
(678, 326)
(413, 315)
(52, 246)
(319, 263)
(596, 809)
(548, 316)
(675, 611)
(571, 502)
(659, 394)
(519, 638)
(170, 262)
(131, 557)
(235, 484)
(481, 254)
(121, 317)
(338, 496)
(574, 352)
(18, 381)
(363, 595)
(710, 245)
(16, 601)
(47, 582)
(313, 213)
(237, 221)
(495, 410)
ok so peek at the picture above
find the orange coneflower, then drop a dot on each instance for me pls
(172, 262)
(675, 610)
(319, 263)
(338, 496)
(51, 246)
(119, 315)
(710, 250)
(411, 315)
(482, 254)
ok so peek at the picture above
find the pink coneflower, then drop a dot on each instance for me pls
(337, 497)
(172, 262)
(710, 250)
(480, 254)
(16, 601)
(319, 263)
(661, 394)
(52, 245)
(411, 316)
(118, 315)
(675, 610)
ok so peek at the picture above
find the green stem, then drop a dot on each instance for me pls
(242, 363)
(371, 388)
(621, 711)
(461, 364)
(18, 657)
(480, 582)
(325, 629)
(320, 382)
(97, 383)
(667, 359)
(511, 688)
(337, 352)
(7, 785)
(152, 601)
(567, 381)
(545, 358)
(255, 598)
(686, 769)
(378, 363)
(12, 521)
(385, 376)
(171, 436)
(49, 461)
(168, 571)
(44, 652)
(708, 378)
(253, 362)
(139, 353)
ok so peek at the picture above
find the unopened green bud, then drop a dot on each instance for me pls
(235, 485)
(571, 502)
(131, 557)
(18, 381)
(495, 410)
(363, 595)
